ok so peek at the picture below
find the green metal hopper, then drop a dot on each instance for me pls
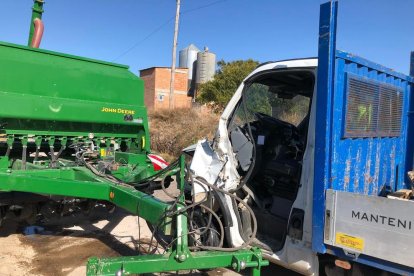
(49, 93)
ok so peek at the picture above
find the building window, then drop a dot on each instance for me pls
(373, 109)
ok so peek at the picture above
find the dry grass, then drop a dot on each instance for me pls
(173, 130)
(293, 118)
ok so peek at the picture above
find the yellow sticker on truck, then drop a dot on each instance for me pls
(349, 241)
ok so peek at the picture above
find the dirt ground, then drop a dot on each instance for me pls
(61, 250)
(65, 251)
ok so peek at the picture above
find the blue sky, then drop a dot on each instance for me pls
(379, 30)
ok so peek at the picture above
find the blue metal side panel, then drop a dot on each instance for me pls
(358, 165)
(372, 65)
(366, 165)
(410, 134)
(362, 165)
(324, 98)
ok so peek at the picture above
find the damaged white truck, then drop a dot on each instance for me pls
(320, 150)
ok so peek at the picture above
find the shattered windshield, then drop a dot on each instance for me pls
(260, 98)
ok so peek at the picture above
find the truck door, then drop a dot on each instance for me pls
(362, 127)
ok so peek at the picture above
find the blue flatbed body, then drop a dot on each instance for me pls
(364, 136)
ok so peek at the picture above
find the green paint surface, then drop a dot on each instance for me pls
(41, 90)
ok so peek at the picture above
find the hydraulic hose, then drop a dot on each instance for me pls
(254, 232)
(38, 33)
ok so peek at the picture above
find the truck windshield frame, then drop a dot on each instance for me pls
(244, 114)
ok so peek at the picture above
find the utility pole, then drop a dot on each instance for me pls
(174, 54)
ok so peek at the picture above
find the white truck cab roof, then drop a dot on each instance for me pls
(291, 63)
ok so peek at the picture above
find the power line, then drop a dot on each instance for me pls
(145, 38)
(202, 7)
(162, 26)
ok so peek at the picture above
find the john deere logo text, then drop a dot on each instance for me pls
(118, 110)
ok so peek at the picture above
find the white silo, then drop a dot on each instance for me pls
(206, 66)
(188, 58)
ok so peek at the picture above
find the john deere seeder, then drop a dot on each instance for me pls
(74, 135)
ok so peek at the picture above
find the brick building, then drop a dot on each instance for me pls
(157, 87)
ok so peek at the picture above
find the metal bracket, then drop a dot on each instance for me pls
(24, 141)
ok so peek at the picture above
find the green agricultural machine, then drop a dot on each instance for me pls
(74, 135)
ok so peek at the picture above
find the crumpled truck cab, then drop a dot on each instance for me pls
(263, 152)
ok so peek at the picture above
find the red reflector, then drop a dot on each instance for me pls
(343, 264)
